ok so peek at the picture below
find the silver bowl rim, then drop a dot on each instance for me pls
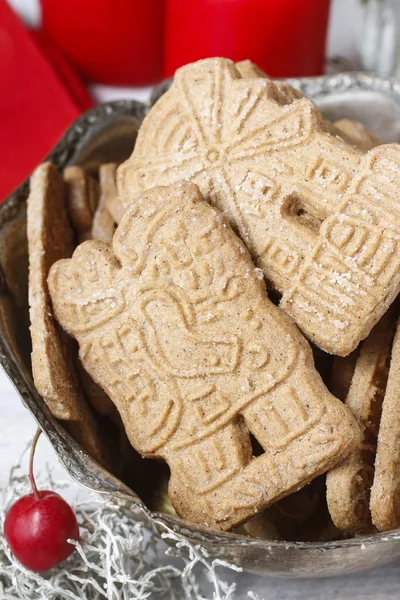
(60, 154)
(314, 87)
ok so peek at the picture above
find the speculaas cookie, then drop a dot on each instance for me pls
(319, 216)
(349, 483)
(286, 93)
(355, 133)
(103, 225)
(175, 325)
(385, 491)
(82, 192)
(50, 238)
(113, 202)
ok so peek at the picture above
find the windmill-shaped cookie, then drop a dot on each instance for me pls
(175, 324)
(321, 218)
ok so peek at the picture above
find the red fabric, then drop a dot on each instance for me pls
(35, 105)
(64, 70)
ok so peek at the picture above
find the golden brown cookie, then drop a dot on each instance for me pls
(175, 325)
(50, 238)
(355, 133)
(287, 93)
(103, 225)
(349, 483)
(248, 69)
(318, 216)
(82, 198)
(385, 492)
(113, 202)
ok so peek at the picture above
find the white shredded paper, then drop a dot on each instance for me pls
(118, 557)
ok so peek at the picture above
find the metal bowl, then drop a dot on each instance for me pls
(108, 133)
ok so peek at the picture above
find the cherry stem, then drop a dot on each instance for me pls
(31, 476)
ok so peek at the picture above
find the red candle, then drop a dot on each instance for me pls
(110, 41)
(284, 37)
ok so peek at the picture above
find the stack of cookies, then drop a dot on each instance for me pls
(237, 191)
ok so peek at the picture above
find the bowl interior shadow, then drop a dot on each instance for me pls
(107, 134)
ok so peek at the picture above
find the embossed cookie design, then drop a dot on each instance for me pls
(174, 323)
(320, 217)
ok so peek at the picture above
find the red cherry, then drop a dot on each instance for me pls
(38, 526)
(37, 530)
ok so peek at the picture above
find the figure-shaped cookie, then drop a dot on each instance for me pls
(348, 485)
(385, 491)
(320, 217)
(175, 325)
